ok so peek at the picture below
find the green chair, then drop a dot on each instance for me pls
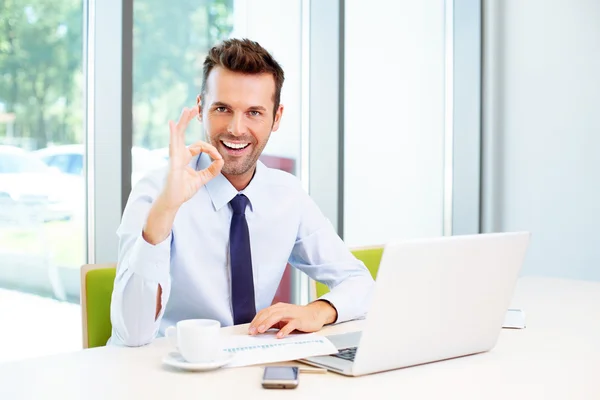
(97, 281)
(371, 256)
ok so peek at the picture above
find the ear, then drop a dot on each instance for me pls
(277, 118)
(199, 104)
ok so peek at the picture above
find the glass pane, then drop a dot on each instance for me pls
(170, 44)
(404, 199)
(42, 204)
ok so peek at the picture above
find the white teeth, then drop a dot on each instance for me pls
(235, 145)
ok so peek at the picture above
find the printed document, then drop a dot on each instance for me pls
(266, 348)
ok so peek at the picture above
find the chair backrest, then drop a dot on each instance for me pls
(97, 282)
(371, 256)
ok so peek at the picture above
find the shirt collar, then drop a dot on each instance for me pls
(221, 191)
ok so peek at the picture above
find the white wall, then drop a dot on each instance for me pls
(543, 106)
(394, 120)
(276, 25)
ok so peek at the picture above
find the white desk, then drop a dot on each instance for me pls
(556, 357)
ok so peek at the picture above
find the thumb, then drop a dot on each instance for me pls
(209, 173)
(215, 167)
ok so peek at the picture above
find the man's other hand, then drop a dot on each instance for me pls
(289, 317)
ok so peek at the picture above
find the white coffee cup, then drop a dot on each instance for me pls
(198, 340)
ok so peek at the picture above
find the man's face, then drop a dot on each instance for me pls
(238, 117)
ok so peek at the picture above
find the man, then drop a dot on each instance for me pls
(210, 236)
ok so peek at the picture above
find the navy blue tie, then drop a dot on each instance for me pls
(242, 281)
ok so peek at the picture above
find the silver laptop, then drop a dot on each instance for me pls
(434, 299)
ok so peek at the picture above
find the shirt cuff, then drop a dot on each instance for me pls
(342, 314)
(151, 262)
(334, 307)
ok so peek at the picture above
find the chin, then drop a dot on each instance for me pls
(235, 170)
(238, 168)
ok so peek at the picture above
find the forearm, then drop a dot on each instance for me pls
(158, 227)
(352, 296)
(133, 311)
(141, 288)
(159, 223)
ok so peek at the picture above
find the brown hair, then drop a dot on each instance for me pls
(247, 57)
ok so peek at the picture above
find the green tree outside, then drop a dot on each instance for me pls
(41, 70)
(41, 57)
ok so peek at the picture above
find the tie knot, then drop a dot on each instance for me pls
(239, 203)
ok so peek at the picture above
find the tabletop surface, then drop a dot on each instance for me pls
(556, 357)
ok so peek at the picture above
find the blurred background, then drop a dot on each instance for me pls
(402, 119)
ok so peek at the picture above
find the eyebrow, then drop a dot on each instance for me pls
(252, 108)
(220, 104)
(257, 108)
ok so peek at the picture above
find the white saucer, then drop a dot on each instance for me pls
(174, 359)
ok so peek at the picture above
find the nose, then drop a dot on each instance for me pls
(236, 124)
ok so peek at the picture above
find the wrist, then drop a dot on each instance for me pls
(159, 222)
(162, 206)
(325, 311)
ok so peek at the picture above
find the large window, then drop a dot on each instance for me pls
(42, 206)
(42, 136)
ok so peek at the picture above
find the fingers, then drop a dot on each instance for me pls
(274, 316)
(187, 114)
(279, 325)
(271, 320)
(181, 118)
(177, 130)
(178, 135)
(215, 167)
(203, 147)
(209, 173)
(287, 329)
(257, 322)
(260, 317)
(172, 139)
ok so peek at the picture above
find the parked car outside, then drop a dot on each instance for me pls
(69, 159)
(30, 190)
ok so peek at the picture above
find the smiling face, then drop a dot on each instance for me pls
(237, 112)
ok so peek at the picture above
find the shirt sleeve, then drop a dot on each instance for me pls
(322, 255)
(141, 268)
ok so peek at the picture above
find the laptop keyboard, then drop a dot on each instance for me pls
(346, 354)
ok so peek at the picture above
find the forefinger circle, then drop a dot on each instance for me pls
(203, 147)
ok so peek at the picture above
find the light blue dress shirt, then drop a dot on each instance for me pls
(192, 264)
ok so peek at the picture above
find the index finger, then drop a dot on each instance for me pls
(203, 147)
(271, 320)
(261, 315)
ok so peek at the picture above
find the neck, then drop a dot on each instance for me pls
(240, 182)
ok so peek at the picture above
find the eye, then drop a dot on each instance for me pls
(255, 113)
(221, 109)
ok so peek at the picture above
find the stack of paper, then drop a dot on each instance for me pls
(266, 348)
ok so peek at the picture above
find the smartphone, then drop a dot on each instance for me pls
(280, 378)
